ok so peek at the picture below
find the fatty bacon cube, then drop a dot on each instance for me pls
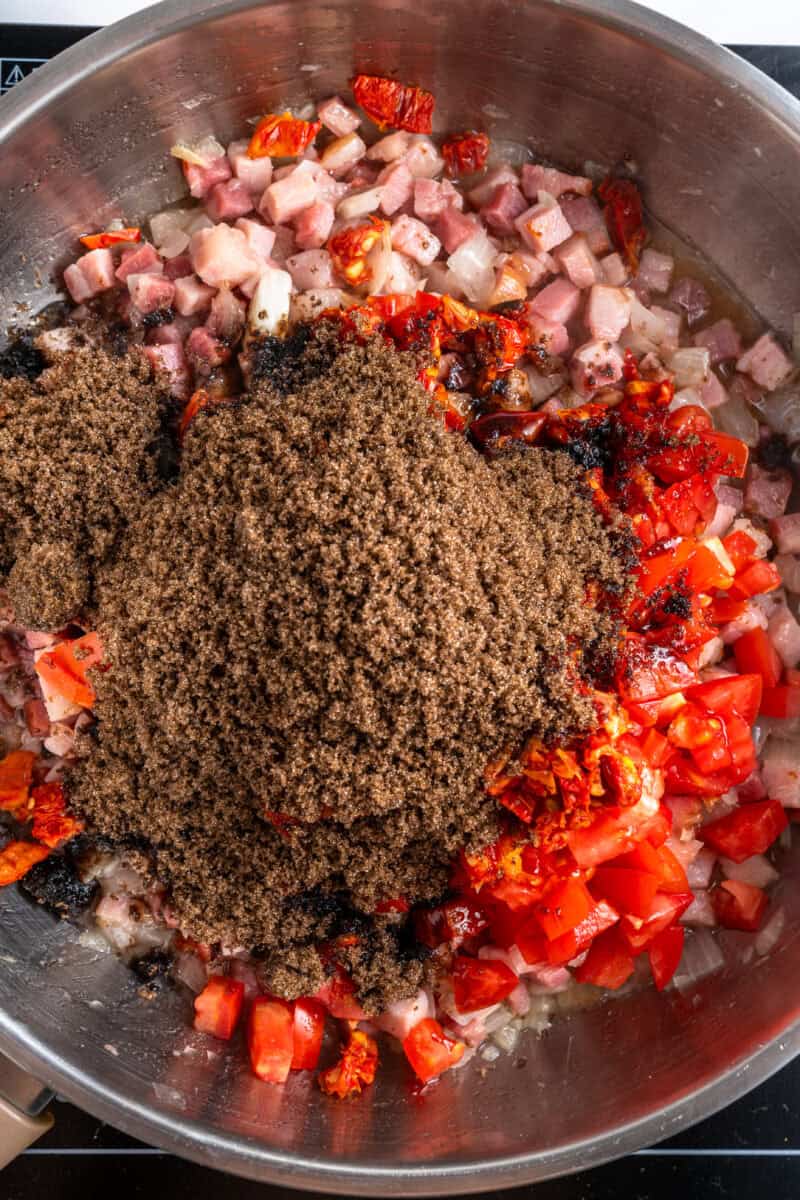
(543, 227)
(89, 275)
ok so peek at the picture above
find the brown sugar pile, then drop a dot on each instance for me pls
(76, 464)
(318, 636)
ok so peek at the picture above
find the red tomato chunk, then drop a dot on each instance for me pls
(218, 1007)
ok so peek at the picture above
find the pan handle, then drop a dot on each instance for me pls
(23, 1100)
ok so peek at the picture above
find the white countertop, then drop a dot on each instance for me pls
(737, 22)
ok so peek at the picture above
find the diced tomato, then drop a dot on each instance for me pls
(761, 576)
(740, 548)
(742, 749)
(684, 778)
(724, 608)
(688, 421)
(690, 504)
(754, 652)
(629, 891)
(612, 832)
(392, 105)
(655, 748)
(781, 701)
(665, 910)
(480, 982)
(563, 949)
(622, 203)
(657, 568)
(52, 825)
(665, 953)
(750, 829)
(740, 694)
(648, 672)
(430, 1051)
(672, 879)
(16, 772)
(564, 905)
(712, 452)
(112, 237)
(270, 1039)
(17, 858)
(706, 573)
(608, 964)
(355, 1069)
(739, 905)
(658, 827)
(337, 994)
(308, 1017)
(63, 668)
(465, 154)
(280, 135)
(531, 942)
(218, 1007)
(643, 857)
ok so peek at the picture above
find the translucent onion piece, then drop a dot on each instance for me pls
(200, 152)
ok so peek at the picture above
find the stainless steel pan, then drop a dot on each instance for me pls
(84, 140)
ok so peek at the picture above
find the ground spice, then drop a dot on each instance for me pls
(319, 634)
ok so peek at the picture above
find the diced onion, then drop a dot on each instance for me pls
(781, 411)
(504, 150)
(168, 231)
(542, 387)
(269, 307)
(506, 1037)
(768, 936)
(701, 958)
(200, 152)
(734, 417)
(472, 267)
(756, 870)
(648, 324)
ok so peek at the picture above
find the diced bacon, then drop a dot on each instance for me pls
(507, 203)
(287, 197)
(577, 261)
(226, 319)
(692, 298)
(151, 292)
(784, 633)
(331, 189)
(336, 116)
(655, 270)
(308, 305)
(311, 269)
(423, 159)
(202, 179)
(391, 147)
(411, 237)
(177, 267)
(543, 227)
(205, 351)
(595, 365)
(482, 193)
(786, 533)
(313, 225)
(285, 243)
(397, 187)
(91, 274)
(713, 392)
(254, 173)
(551, 335)
(343, 153)
(363, 175)
(531, 268)
(229, 200)
(139, 261)
(789, 567)
(559, 301)
(583, 213)
(359, 204)
(260, 239)
(171, 359)
(403, 276)
(608, 311)
(454, 228)
(170, 334)
(766, 493)
(432, 196)
(536, 178)
(721, 340)
(765, 362)
(614, 271)
(781, 772)
(671, 321)
(222, 255)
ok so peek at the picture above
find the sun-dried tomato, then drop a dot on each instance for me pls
(52, 824)
(466, 153)
(624, 218)
(354, 1070)
(349, 249)
(393, 105)
(280, 135)
(112, 237)
(17, 858)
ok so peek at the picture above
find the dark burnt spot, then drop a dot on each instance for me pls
(21, 359)
(152, 966)
(276, 360)
(677, 603)
(160, 316)
(774, 453)
(56, 885)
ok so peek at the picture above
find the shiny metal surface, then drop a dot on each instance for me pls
(84, 140)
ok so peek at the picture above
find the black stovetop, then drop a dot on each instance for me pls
(752, 1147)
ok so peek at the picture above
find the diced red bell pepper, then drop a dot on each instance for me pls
(63, 668)
(112, 237)
(430, 1051)
(218, 1007)
(465, 154)
(739, 905)
(280, 135)
(392, 105)
(782, 701)
(17, 858)
(608, 964)
(356, 1067)
(308, 1017)
(750, 829)
(754, 652)
(563, 949)
(665, 910)
(665, 953)
(270, 1039)
(629, 891)
(564, 905)
(480, 982)
(756, 579)
(741, 548)
(740, 694)
(16, 773)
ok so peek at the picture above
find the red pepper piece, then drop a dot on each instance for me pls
(755, 653)
(308, 1017)
(748, 830)
(355, 1069)
(608, 964)
(739, 905)
(495, 432)
(479, 982)
(566, 904)
(781, 701)
(112, 237)
(270, 1039)
(393, 105)
(466, 153)
(665, 953)
(622, 203)
(280, 135)
(218, 1007)
(430, 1051)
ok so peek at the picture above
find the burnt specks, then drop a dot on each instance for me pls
(161, 316)
(774, 453)
(276, 361)
(55, 884)
(21, 359)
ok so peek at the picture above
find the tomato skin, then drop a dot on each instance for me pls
(608, 963)
(565, 904)
(740, 548)
(755, 653)
(270, 1039)
(218, 1007)
(628, 890)
(781, 701)
(757, 578)
(480, 982)
(308, 1017)
(739, 905)
(622, 202)
(665, 953)
(465, 154)
(563, 949)
(393, 105)
(748, 830)
(430, 1051)
(740, 694)
(113, 237)
(665, 910)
